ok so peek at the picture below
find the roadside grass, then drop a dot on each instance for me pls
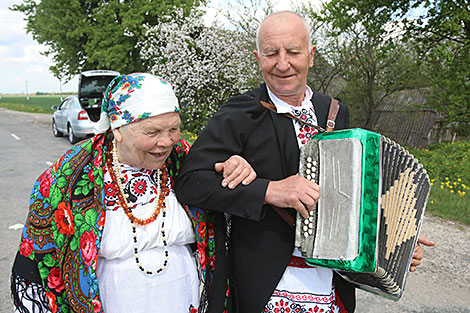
(35, 104)
(189, 137)
(448, 165)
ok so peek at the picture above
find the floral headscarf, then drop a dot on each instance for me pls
(134, 97)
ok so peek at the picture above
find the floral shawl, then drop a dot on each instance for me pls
(59, 246)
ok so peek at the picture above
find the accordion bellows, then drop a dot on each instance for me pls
(372, 201)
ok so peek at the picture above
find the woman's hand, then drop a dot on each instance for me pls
(235, 170)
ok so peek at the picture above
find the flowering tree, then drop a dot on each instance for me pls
(206, 65)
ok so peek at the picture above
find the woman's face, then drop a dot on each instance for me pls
(148, 143)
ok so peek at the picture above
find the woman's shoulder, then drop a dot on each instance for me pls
(177, 157)
(182, 147)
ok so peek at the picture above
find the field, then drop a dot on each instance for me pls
(35, 104)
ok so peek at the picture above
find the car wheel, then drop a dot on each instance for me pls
(55, 131)
(72, 138)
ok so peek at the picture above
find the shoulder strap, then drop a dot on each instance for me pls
(272, 107)
(334, 108)
(330, 125)
(285, 215)
(268, 105)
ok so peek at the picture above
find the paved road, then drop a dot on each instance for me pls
(442, 283)
(27, 145)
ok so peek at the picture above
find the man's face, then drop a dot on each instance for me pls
(284, 57)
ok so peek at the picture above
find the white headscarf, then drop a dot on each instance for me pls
(134, 97)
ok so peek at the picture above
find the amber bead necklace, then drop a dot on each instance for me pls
(115, 171)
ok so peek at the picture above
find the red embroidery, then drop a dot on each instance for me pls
(282, 307)
(139, 187)
(306, 133)
(296, 261)
(306, 297)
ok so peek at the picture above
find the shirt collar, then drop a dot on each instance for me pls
(284, 107)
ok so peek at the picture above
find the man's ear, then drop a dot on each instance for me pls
(255, 52)
(311, 55)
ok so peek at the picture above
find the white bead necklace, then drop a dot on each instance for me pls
(143, 220)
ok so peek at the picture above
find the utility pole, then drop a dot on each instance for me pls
(27, 95)
(60, 88)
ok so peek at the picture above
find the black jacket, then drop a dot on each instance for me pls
(261, 242)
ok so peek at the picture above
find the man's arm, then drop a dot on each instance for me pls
(225, 135)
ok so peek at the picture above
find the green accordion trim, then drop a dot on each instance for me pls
(368, 230)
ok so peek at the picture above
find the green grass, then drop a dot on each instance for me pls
(448, 165)
(35, 104)
(189, 137)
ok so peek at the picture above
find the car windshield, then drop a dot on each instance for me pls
(94, 86)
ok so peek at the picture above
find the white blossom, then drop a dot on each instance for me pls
(206, 65)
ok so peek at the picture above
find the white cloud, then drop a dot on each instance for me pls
(21, 59)
(37, 69)
(31, 54)
(12, 26)
(17, 80)
(3, 50)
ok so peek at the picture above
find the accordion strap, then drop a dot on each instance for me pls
(330, 125)
(334, 108)
(285, 215)
(272, 107)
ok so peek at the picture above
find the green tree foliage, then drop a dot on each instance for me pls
(372, 65)
(95, 34)
(374, 70)
(440, 30)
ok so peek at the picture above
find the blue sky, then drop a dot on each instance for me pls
(22, 67)
(21, 63)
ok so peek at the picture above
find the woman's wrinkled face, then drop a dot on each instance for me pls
(148, 143)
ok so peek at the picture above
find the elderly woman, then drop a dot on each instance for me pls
(105, 231)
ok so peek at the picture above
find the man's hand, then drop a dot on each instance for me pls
(418, 254)
(293, 192)
(235, 170)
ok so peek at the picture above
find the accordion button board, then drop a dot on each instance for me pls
(373, 194)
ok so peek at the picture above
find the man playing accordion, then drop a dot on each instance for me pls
(266, 272)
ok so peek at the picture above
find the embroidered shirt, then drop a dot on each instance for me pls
(302, 289)
(304, 112)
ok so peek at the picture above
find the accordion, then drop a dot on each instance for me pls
(372, 201)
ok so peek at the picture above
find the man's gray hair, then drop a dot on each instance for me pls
(307, 27)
